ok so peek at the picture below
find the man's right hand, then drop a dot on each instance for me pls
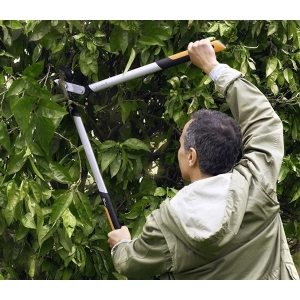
(203, 55)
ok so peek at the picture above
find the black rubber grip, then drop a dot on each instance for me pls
(167, 62)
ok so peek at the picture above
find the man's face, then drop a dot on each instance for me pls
(183, 157)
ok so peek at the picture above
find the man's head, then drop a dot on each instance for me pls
(215, 139)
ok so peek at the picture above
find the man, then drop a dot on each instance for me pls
(225, 224)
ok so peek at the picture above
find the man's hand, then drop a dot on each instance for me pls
(117, 235)
(203, 55)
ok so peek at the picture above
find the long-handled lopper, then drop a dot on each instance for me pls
(159, 65)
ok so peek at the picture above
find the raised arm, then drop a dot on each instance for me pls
(262, 130)
(261, 127)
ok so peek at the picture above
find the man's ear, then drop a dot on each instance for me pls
(192, 157)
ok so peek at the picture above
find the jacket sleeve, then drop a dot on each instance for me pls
(262, 130)
(146, 256)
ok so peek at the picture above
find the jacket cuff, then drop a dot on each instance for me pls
(225, 79)
(117, 244)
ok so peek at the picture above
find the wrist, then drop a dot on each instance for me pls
(208, 68)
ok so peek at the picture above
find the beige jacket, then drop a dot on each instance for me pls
(250, 243)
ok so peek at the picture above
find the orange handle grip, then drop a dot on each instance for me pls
(217, 45)
(183, 56)
(109, 218)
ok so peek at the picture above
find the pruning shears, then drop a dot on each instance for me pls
(159, 65)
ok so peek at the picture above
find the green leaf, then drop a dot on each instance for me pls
(60, 205)
(160, 192)
(59, 173)
(214, 27)
(84, 208)
(115, 166)
(4, 53)
(76, 23)
(64, 238)
(145, 55)
(29, 26)
(14, 24)
(36, 53)
(156, 32)
(35, 169)
(30, 205)
(175, 82)
(193, 106)
(136, 144)
(8, 70)
(32, 88)
(84, 67)
(4, 137)
(60, 46)
(22, 233)
(274, 89)
(80, 258)
(107, 144)
(6, 36)
(271, 65)
(2, 78)
(40, 30)
(16, 162)
(35, 149)
(288, 75)
(24, 188)
(119, 276)
(22, 109)
(2, 223)
(36, 190)
(181, 117)
(44, 131)
(148, 186)
(17, 87)
(12, 193)
(271, 80)
(131, 59)
(39, 217)
(118, 39)
(107, 158)
(51, 110)
(88, 62)
(34, 70)
(46, 232)
(137, 209)
(47, 118)
(289, 229)
(280, 78)
(151, 41)
(69, 222)
(272, 28)
(138, 227)
(296, 195)
(293, 31)
(28, 221)
(127, 107)
(32, 265)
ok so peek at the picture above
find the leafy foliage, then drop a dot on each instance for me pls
(52, 222)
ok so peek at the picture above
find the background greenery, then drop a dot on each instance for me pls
(52, 222)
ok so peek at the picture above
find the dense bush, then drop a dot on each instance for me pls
(52, 221)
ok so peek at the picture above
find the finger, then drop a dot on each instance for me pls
(190, 45)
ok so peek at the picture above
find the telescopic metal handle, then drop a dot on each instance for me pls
(108, 206)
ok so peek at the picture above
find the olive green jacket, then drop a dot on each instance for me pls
(251, 243)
